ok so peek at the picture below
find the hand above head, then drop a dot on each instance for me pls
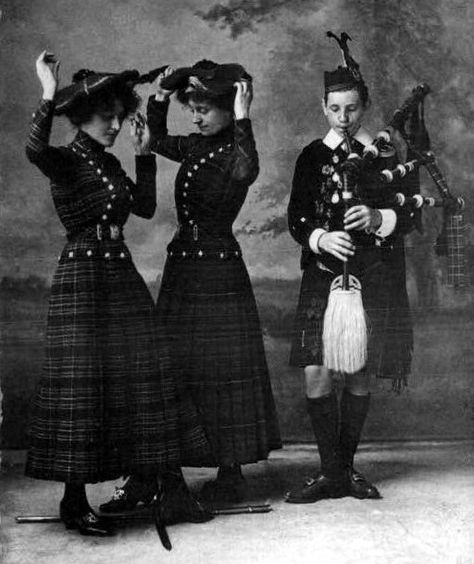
(140, 134)
(362, 217)
(337, 243)
(161, 94)
(47, 69)
(243, 99)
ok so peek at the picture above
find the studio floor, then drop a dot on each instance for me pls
(426, 516)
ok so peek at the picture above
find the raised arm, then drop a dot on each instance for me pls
(173, 147)
(52, 162)
(144, 189)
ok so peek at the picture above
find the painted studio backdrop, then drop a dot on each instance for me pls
(282, 43)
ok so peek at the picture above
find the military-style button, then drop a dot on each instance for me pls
(92, 163)
(171, 253)
(211, 155)
(111, 186)
(190, 174)
(71, 254)
(89, 253)
(104, 217)
(236, 253)
(184, 253)
(202, 161)
(221, 149)
(302, 219)
(109, 206)
(186, 213)
(221, 255)
(200, 253)
(107, 255)
(185, 194)
(99, 171)
(186, 185)
(113, 196)
(191, 222)
(195, 167)
(131, 198)
(105, 179)
(83, 155)
(122, 255)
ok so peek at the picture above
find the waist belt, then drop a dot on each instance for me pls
(100, 232)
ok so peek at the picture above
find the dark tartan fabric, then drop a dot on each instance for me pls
(379, 267)
(106, 404)
(206, 302)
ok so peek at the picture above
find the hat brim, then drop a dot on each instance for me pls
(69, 95)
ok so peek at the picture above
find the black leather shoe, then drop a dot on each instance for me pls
(129, 496)
(179, 506)
(314, 489)
(360, 487)
(85, 521)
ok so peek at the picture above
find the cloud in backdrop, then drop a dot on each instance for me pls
(283, 45)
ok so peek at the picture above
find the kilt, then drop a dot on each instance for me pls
(106, 404)
(385, 299)
(210, 316)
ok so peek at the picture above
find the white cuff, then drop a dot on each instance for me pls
(314, 240)
(389, 221)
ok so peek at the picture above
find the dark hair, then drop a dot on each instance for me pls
(198, 95)
(85, 107)
(361, 89)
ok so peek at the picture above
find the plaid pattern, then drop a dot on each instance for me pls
(211, 320)
(107, 404)
(206, 303)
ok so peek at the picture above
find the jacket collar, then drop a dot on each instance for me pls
(85, 142)
(333, 140)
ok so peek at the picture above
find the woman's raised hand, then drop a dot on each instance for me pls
(243, 99)
(47, 69)
(140, 134)
(161, 94)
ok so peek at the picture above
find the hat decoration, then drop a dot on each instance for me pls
(207, 75)
(345, 76)
(86, 82)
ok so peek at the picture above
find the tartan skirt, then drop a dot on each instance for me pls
(106, 404)
(385, 300)
(210, 316)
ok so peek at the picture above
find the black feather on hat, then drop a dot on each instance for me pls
(86, 82)
(207, 75)
(346, 76)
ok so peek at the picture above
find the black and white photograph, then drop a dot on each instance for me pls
(236, 282)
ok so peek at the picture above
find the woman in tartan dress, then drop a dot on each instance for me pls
(206, 302)
(106, 404)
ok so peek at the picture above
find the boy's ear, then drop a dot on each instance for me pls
(323, 105)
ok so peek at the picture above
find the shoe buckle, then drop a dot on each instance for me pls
(119, 494)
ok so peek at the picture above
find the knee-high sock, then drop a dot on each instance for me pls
(324, 415)
(354, 411)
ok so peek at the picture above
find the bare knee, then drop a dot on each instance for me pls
(318, 381)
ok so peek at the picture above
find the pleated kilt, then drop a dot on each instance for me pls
(209, 312)
(106, 405)
(385, 300)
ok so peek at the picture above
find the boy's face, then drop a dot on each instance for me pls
(344, 111)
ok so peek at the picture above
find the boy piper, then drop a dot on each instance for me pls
(367, 236)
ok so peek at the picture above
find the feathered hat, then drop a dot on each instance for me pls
(207, 75)
(346, 76)
(86, 82)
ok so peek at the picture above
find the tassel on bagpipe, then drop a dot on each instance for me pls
(345, 332)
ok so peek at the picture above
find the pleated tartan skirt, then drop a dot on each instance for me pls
(385, 300)
(106, 404)
(210, 317)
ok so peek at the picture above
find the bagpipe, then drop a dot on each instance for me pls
(345, 332)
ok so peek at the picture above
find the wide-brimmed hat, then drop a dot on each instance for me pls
(217, 79)
(86, 82)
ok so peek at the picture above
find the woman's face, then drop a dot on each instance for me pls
(209, 118)
(105, 123)
(344, 111)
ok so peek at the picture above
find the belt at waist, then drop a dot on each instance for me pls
(98, 232)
